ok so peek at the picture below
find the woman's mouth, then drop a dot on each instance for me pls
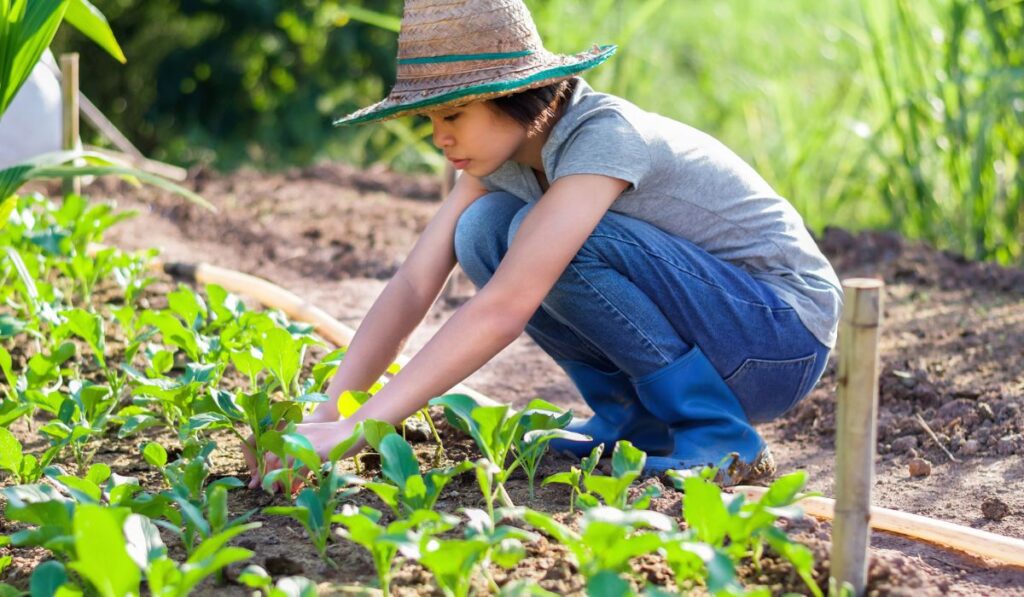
(459, 164)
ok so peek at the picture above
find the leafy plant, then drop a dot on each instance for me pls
(452, 561)
(409, 490)
(539, 423)
(608, 540)
(362, 526)
(576, 476)
(314, 506)
(24, 468)
(627, 465)
(742, 529)
(202, 508)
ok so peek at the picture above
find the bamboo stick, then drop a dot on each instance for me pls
(69, 93)
(975, 542)
(857, 411)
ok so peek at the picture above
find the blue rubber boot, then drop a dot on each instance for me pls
(706, 420)
(618, 414)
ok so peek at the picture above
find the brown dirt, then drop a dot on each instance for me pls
(951, 351)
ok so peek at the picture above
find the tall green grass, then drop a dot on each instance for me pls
(947, 97)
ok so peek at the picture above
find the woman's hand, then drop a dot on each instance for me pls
(322, 435)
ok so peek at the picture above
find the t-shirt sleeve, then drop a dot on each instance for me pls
(608, 145)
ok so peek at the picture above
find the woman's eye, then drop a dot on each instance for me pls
(451, 118)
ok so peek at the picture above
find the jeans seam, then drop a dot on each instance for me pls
(685, 271)
(618, 312)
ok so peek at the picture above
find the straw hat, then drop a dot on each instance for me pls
(452, 52)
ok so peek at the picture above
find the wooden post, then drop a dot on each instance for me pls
(857, 413)
(69, 93)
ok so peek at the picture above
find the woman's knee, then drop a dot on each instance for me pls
(480, 231)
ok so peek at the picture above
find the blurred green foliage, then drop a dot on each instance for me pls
(867, 113)
(241, 81)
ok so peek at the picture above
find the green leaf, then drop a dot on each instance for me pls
(345, 445)
(6, 207)
(350, 401)
(705, 511)
(375, 432)
(627, 460)
(46, 578)
(190, 307)
(299, 447)
(142, 540)
(398, 462)
(282, 355)
(90, 21)
(103, 559)
(27, 29)
(10, 452)
(88, 327)
(155, 454)
(608, 584)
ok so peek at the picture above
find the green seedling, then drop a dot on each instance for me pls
(575, 477)
(493, 428)
(315, 506)
(202, 509)
(116, 549)
(453, 561)
(82, 416)
(742, 529)
(50, 512)
(408, 490)
(627, 465)
(608, 540)
(23, 468)
(539, 423)
(361, 525)
(505, 547)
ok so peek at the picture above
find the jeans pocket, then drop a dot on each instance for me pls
(767, 387)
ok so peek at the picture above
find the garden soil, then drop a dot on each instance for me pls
(951, 390)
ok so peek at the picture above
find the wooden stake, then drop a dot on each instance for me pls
(69, 93)
(857, 413)
(974, 542)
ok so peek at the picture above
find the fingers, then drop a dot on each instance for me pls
(250, 459)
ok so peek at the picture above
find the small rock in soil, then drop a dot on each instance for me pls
(1008, 445)
(282, 566)
(985, 412)
(904, 444)
(919, 467)
(416, 430)
(970, 447)
(994, 508)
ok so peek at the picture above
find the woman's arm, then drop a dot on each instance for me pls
(403, 303)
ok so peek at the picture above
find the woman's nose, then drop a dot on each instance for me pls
(442, 139)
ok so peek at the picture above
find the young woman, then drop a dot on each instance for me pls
(683, 296)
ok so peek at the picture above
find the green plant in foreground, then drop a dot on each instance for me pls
(740, 528)
(496, 430)
(202, 509)
(627, 465)
(575, 477)
(24, 468)
(408, 490)
(452, 561)
(362, 526)
(539, 423)
(116, 548)
(314, 506)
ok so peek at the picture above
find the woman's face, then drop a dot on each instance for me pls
(476, 137)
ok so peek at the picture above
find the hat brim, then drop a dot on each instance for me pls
(389, 108)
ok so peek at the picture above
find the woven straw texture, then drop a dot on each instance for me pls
(452, 52)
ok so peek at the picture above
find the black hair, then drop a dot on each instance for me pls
(533, 108)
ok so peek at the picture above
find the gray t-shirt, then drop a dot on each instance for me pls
(690, 185)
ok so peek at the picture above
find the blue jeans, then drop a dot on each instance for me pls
(636, 298)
